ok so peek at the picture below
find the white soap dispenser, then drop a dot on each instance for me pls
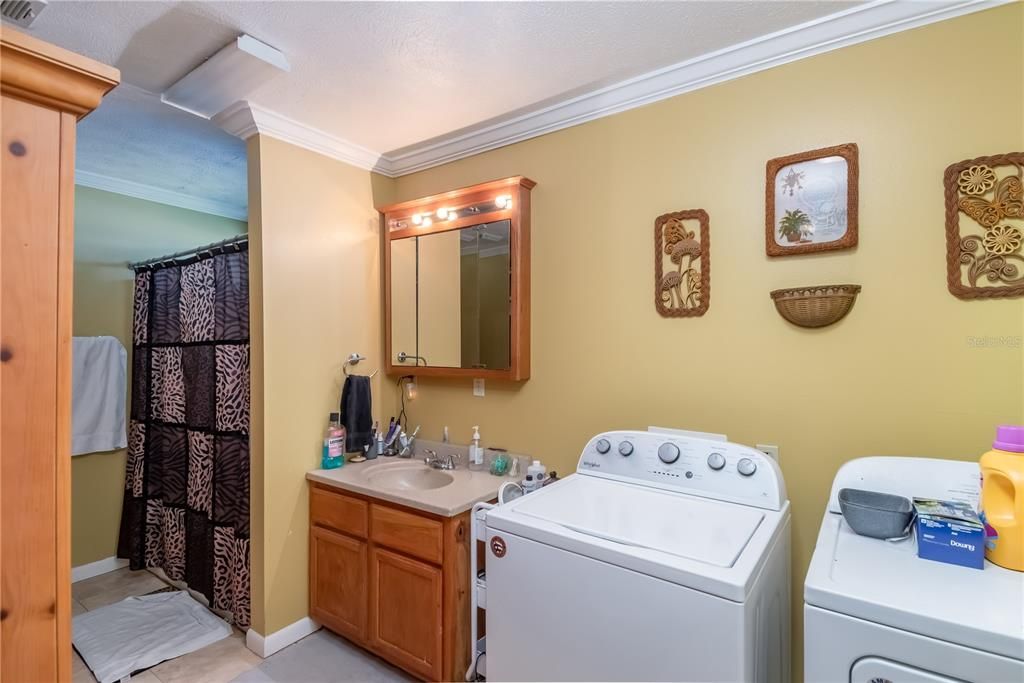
(476, 454)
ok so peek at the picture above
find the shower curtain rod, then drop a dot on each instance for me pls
(229, 242)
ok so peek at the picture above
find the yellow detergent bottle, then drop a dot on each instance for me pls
(1002, 497)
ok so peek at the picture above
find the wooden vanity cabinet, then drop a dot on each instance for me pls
(391, 579)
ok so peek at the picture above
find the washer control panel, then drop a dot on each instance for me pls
(704, 467)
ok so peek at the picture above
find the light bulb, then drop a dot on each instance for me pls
(442, 213)
(452, 215)
(501, 201)
(427, 222)
(410, 390)
(417, 219)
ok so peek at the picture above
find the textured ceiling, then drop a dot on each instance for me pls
(388, 74)
(385, 75)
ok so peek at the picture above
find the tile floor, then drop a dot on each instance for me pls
(319, 658)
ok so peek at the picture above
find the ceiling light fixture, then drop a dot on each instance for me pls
(227, 77)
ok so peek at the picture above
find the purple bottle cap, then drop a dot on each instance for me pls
(1009, 438)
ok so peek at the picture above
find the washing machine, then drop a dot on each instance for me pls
(874, 612)
(665, 557)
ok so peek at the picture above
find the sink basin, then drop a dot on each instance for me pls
(408, 477)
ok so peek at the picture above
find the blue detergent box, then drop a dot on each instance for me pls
(949, 532)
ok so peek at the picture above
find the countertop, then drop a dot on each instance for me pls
(467, 486)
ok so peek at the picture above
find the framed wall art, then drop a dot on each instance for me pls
(985, 227)
(811, 201)
(682, 264)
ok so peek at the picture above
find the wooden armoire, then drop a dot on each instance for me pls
(45, 90)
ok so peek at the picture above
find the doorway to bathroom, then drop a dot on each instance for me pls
(160, 387)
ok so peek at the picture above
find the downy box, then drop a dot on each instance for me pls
(949, 532)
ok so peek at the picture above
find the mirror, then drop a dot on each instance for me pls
(457, 282)
(450, 298)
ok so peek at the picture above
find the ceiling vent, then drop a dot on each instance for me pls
(21, 12)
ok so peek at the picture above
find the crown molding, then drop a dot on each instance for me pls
(849, 27)
(245, 119)
(160, 195)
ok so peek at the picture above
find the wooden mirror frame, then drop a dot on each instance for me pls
(396, 221)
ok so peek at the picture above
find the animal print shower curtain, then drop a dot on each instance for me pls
(186, 498)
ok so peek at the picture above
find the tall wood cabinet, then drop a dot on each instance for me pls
(391, 579)
(45, 90)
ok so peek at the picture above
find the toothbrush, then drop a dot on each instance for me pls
(392, 434)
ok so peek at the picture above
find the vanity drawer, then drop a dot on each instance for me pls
(332, 510)
(408, 533)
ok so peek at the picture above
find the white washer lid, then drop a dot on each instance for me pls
(887, 583)
(706, 531)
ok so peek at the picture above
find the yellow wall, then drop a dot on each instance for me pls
(895, 377)
(110, 231)
(315, 298)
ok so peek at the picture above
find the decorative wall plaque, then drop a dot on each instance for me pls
(682, 264)
(985, 227)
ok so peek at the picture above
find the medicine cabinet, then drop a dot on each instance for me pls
(457, 282)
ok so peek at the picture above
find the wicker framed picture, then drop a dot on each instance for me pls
(811, 201)
(682, 264)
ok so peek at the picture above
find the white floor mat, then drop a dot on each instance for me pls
(140, 632)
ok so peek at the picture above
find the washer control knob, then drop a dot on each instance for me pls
(603, 446)
(716, 461)
(746, 467)
(625, 448)
(668, 452)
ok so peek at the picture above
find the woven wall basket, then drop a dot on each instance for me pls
(815, 306)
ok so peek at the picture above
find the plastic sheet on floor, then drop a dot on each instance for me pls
(140, 632)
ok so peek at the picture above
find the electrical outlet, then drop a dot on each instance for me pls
(771, 451)
(478, 387)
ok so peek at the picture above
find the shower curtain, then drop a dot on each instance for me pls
(186, 498)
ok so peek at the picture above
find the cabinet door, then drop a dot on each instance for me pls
(337, 582)
(406, 620)
(33, 374)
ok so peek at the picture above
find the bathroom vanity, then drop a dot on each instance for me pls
(389, 560)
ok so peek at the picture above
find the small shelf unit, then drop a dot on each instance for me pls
(478, 590)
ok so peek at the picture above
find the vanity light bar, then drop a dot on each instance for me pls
(502, 202)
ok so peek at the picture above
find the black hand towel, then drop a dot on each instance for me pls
(356, 409)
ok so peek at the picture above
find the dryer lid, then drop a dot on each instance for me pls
(678, 525)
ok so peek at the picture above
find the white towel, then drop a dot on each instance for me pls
(140, 632)
(98, 389)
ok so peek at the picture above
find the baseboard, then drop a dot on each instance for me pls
(265, 646)
(87, 571)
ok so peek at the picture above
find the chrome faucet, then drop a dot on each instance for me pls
(440, 462)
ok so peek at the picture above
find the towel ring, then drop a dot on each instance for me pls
(354, 360)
